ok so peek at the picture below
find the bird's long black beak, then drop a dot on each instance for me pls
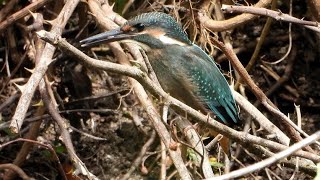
(110, 36)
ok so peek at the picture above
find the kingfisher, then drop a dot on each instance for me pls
(183, 69)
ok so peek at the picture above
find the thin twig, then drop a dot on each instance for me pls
(87, 134)
(163, 170)
(261, 119)
(263, 153)
(231, 23)
(290, 40)
(276, 77)
(261, 40)
(279, 16)
(139, 158)
(149, 85)
(145, 101)
(17, 170)
(195, 141)
(39, 71)
(271, 160)
(290, 127)
(63, 125)
(23, 12)
(55, 156)
(214, 142)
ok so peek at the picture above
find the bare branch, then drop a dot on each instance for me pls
(55, 156)
(261, 119)
(63, 125)
(23, 12)
(279, 16)
(271, 160)
(149, 85)
(40, 69)
(231, 23)
(17, 170)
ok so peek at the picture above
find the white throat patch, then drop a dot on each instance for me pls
(161, 35)
(168, 40)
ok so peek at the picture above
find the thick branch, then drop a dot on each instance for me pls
(231, 23)
(145, 101)
(23, 12)
(289, 126)
(149, 85)
(279, 16)
(40, 69)
(261, 119)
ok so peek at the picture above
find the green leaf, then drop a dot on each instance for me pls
(60, 149)
(192, 155)
(119, 5)
(216, 165)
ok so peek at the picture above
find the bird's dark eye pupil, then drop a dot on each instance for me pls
(139, 26)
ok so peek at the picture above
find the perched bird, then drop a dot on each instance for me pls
(183, 69)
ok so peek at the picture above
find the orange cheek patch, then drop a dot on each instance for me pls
(155, 33)
(126, 28)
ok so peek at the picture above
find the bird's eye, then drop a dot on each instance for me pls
(139, 26)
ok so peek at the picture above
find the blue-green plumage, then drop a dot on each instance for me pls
(183, 69)
(188, 74)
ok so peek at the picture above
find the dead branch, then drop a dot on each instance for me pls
(46, 58)
(261, 119)
(35, 126)
(279, 16)
(289, 126)
(17, 170)
(140, 76)
(55, 156)
(196, 143)
(139, 158)
(139, 90)
(63, 125)
(287, 72)
(7, 9)
(231, 23)
(261, 40)
(23, 12)
(271, 160)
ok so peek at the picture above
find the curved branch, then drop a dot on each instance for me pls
(271, 160)
(140, 76)
(16, 169)
(231, 23)
(279, 16)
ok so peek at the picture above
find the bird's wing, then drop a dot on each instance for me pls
(213, 88)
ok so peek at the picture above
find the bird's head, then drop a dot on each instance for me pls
(154, 29)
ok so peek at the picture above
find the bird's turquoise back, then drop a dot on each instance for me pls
(185, 70)
(213, 87)
(190, 75)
